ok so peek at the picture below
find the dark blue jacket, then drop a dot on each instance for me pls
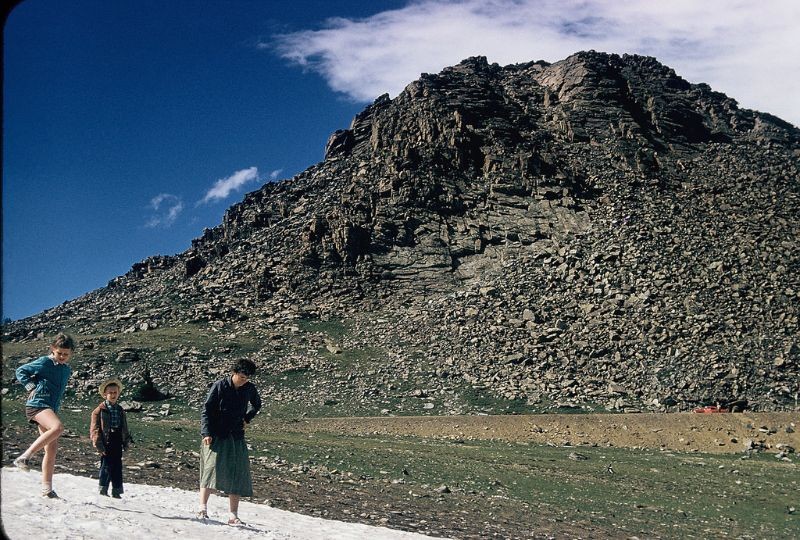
(48, 378)
(227, 409)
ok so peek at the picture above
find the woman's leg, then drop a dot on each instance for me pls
(233, 503)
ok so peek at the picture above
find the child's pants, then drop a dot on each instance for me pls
(111, 463)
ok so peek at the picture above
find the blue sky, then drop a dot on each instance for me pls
(129, 126)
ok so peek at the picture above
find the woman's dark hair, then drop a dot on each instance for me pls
(245, 367)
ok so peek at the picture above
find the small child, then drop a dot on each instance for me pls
(110, 436)
(46, 380)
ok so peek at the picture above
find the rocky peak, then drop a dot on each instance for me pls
(596, 230)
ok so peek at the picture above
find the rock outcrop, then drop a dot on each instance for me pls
(593, 231)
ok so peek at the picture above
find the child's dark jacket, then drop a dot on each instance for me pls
(101, 428)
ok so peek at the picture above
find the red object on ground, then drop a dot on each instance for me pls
(711, 409)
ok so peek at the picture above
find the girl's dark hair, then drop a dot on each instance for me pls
(63, 341)
(245, 367)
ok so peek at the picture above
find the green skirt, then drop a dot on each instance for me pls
(225, 466)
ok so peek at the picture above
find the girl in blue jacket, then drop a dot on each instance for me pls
(46, 380)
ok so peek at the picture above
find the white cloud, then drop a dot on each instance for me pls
(166, 208)
(746, 49)
(224, 186)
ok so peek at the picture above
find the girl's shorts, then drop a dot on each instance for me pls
(30, 412)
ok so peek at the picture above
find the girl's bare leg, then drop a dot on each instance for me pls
(50, 429)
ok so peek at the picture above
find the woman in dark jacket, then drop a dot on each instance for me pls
(232, 402)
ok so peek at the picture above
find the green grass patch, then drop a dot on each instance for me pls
(636, 492)
(335, 329)
(349, 359)
(299, 377)
(483, 399)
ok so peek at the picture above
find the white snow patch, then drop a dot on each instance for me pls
(154, 512)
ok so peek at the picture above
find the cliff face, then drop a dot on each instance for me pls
(594, 230)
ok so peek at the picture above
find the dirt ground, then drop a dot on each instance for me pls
(686, 432)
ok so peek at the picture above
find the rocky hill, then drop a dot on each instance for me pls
(594, 232)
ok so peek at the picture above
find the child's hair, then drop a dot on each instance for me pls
(245, 367)
(63, 341)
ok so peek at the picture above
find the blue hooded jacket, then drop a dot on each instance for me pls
(48, 378)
